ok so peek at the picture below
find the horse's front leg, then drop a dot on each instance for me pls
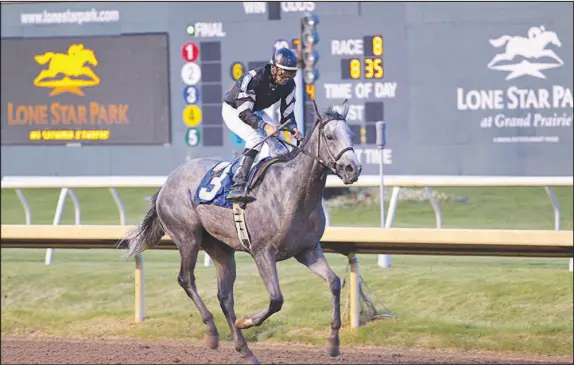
(88, 72)
(314, 259)
(224, 259)
(267, 266)
(550, 53)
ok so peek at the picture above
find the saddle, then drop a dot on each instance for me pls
(216, 184)
(256, 173)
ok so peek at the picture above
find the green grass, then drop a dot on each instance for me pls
(522, 305)
(505, 208)
(473, 303)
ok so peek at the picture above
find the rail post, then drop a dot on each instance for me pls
(354, 291)
(381, 140)
(139, 289)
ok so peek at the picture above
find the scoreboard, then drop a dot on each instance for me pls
(370, 66)
(352, 68)
(207, 49)
(202, 79)
(160, 70)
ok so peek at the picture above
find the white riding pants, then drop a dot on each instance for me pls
(250, 135)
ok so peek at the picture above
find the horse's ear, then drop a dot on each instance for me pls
(316, 109)
(345, 108)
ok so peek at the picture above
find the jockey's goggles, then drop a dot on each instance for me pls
(286, 74)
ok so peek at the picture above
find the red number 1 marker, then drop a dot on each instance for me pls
(190, 51)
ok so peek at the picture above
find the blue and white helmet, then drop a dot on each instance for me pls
(285, 59)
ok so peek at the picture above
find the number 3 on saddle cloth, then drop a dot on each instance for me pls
(217, 182)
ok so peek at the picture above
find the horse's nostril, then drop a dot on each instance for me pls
(349, 168)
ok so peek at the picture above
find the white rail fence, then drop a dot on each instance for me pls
(67, 184)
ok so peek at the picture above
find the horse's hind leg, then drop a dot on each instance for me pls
(315, 260)
(45, 74)
(267, 266)
(500, 57)
(224, 259)
(188, 242)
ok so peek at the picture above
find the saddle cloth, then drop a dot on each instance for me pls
(216, 183)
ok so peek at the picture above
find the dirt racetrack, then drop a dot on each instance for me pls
(38, 350)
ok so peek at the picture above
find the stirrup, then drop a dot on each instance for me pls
(239, 197)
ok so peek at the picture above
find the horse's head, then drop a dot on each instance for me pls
(89, 56)
(552, 38)
(544, 35)
(77, 51)
(334, 143)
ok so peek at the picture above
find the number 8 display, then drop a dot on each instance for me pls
(355, 68)
(377, 46)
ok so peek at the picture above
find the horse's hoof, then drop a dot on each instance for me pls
(333, 348)
(252, 360)
(334, 351)
(212, 341)
(244, 323)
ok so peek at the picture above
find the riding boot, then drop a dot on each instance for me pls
(239, 187)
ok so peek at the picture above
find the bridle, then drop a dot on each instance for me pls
(331, 164)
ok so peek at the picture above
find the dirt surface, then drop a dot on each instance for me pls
(17, 350)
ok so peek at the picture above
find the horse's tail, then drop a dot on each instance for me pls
(147, 234)
(43, 58)
(500, 41)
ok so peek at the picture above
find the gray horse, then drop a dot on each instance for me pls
(286, 220)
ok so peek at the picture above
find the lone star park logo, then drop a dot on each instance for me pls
(532, 47)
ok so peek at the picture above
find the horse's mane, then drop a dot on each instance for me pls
(332, 114)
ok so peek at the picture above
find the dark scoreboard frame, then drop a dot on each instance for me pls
(72, 111)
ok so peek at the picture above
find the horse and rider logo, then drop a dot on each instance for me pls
(72, 66)
(531, 47)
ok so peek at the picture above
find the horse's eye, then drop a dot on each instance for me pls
(329, 136)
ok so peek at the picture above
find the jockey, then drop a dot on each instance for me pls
(243, 106)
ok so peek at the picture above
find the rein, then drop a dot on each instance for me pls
(304, 152)
(330, 164)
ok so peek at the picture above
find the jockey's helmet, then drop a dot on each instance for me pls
(284, 65)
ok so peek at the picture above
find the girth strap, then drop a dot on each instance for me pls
(240, 226)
